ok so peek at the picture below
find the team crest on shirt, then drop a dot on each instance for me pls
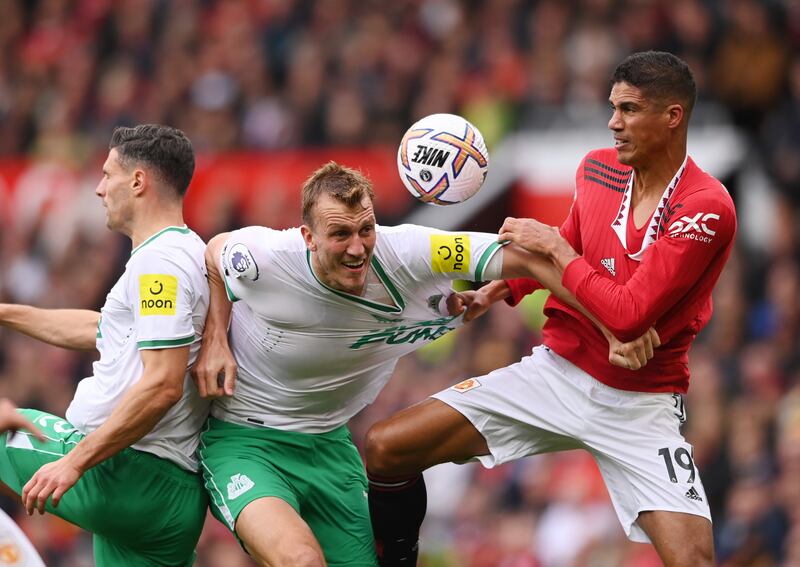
(434, 301)
(466, 385)
(158, 294)
(239, 262)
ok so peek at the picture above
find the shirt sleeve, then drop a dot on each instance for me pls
(436, 254)
(520, 287)
(162, 300)
(244, 258)
(669, 269)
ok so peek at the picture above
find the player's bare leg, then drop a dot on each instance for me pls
(276, 536)
(681, 540)
(398, 449)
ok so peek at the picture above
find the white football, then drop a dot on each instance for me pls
(443, 159)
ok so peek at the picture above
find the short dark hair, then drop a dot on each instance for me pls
(165, 149)
(660, 76)
(346, 185)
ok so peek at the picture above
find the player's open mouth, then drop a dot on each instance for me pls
(354, 265)
(619, 143)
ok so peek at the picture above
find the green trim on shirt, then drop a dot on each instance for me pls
(485, 257)
(398, 300)
(231, 297)
(165, 343)
(182, 229)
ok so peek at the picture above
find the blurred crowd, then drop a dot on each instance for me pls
(270, 75)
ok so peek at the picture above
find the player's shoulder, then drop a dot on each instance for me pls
(701, 188)
(600, 168)
(400, 231)
(403, 235)
(250, 251)
(396, 239)
(605, 156)
(268, 239)
(179, 246)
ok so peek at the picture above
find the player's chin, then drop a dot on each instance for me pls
(353, 281)
(623, 156)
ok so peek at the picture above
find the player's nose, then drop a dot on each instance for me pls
(356, 247)
(615, 122)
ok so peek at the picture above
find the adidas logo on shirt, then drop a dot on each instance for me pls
(239, 484)
(608, 264)
(692, 494)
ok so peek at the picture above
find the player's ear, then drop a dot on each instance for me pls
(138, 181)
(675, 114)
(308, 237)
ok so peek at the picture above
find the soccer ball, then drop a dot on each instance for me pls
(442, 159)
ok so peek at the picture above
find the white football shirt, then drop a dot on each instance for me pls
(159, 302)
(310, 357)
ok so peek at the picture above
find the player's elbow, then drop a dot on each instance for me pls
(167, 394)
(214, 247)
(627, 329)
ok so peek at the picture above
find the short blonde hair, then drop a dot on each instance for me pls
(342, 183)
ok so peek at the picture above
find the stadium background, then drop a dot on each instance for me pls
(269, 89)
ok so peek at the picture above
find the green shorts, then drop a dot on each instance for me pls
(321, 476)
(143, 510)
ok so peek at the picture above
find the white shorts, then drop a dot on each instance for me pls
(545, 403)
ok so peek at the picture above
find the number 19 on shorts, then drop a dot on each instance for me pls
(682, 458)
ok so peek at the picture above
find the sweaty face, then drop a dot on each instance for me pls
(115, 191)
(341, 240)
(639, 124)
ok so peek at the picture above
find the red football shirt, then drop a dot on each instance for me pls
(631, 279)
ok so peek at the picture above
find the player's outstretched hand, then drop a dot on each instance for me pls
(12, 420)
(214, 373)
(53, 479)
(635, 354)
(472, 303)
(529, 234)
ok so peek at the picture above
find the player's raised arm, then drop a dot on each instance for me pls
(74, 329)
(517, 262)
(142, 407)
(672, 265)
(215, 357)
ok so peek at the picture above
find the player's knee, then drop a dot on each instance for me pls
(697, 554)
(381, 457)
(692, 553)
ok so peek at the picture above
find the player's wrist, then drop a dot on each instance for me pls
(561, 252)
(78, 459)
(215, 334)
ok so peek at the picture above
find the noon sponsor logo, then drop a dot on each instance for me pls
(157, 294)
(450, 253)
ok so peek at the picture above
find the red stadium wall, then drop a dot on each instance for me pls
(260, 189)
(249, 188)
